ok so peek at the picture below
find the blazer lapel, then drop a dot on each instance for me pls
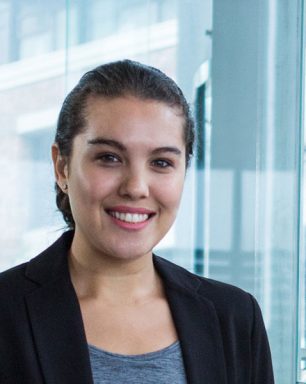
(56, 323)
(56, 320)
(197, 325)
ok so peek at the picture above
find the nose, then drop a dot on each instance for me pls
(134, 185)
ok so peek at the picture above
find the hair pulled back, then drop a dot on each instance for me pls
(116, 79)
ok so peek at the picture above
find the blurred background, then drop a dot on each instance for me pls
(241, 65)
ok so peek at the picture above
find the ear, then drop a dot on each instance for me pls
(60, 166)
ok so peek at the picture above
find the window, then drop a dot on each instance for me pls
(239, 65)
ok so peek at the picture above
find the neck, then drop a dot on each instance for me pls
(112, 279)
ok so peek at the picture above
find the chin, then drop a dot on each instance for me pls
(128, 252)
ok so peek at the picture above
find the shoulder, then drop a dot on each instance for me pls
(13, 276)
(47, 266)
(14, 285)
(206, 286)
(228, 300)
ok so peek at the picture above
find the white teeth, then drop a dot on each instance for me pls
(130, 217)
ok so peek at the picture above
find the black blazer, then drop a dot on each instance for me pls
(42, 338)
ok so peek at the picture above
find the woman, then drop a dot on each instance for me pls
(97, 306)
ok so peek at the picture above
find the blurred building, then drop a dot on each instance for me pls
(239, 64)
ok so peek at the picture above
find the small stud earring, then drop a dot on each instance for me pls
(65, 186)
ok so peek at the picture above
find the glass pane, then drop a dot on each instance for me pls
(32, 85)
(301, 366)
(254, 172)
(301, 358)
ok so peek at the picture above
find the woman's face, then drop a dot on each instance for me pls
(125, 176)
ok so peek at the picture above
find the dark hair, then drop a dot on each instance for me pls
(120, 78)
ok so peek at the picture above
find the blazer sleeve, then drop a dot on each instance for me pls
(262, 371)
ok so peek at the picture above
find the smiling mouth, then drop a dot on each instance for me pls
(130, 217)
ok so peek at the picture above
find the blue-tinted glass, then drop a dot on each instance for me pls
(238, 64)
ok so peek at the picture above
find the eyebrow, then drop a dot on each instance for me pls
(109, 142)
(116, 144)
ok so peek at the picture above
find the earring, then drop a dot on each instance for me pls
(65, 186)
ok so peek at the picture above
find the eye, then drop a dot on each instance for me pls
(108, 158)
(162, 163)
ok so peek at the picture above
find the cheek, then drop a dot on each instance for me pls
(170, 193)
(91, 186)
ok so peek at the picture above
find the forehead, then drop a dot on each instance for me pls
(132, 119)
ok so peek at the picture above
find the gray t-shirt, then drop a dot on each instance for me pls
(162, 367)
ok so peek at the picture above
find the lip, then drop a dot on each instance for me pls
(127, 225)
(126, 209)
